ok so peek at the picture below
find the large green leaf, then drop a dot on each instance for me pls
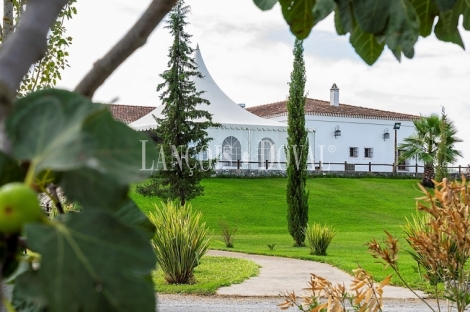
(447, 27)
(464, 8)
(92, 189)
(265, 4)
(344, 17)
(117, 160)
(45, 128)
(131, 215)
(427, 12)
(402, 29)
(366, 45)
(322, 9)
(28, 295)
(445, 5)
(118, 151)
(93, 262)
(299, 16)
(372, 15)
(10, 171)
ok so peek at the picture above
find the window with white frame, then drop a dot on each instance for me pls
(266, 151)
(231, 151)
(353, 151)
(368, 152)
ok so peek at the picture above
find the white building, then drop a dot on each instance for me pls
(346, 133)
(337, 133)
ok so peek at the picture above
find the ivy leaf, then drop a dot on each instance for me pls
(366, 45)
(372, 15)
(445, 5)
(131, 215)
(54, 138)
(299, 16)
(265, 5)
(402, 29)
(344, 17)
(427, 12)
(93, 248)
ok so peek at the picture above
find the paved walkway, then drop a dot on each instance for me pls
(280, 275)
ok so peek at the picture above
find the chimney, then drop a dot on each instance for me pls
(334, 95)
(242, 105)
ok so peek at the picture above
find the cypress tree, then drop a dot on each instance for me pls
(297, 150)
(182, 133)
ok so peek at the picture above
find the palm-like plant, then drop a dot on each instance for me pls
(424, 145)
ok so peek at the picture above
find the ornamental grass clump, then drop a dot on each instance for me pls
(180, 241)
(443, 245)
(319, 238)
(227, 232)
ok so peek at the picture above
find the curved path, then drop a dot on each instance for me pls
(280, 275)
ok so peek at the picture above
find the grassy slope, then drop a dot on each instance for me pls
(358, 208)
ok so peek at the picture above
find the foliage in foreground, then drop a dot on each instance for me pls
(374, 24)
(210, 275)
(319, 238)
(443, 246)
(180, 241)
(47, 71)
(363, 295)
(62, 138)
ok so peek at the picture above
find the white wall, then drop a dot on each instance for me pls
(323, 146)
(249, 139)
(355, 132)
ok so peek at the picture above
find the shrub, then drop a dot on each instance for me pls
(180, 241)
(319, 238)
(444, 243)
(413, 228)
(363, 295)
(227, 232)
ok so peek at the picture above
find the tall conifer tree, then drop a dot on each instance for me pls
(297, 150)
(183, 130)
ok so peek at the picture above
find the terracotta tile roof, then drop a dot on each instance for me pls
(323, 108)
(129, 113)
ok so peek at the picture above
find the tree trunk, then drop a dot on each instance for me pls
(428, 175)
(8, 19)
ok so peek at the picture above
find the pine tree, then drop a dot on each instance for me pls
(183, 130)
(297, 150)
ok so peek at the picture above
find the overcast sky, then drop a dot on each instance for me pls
(249, 54)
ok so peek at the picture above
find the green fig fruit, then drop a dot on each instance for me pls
(19, 204)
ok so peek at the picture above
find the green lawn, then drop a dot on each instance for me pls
(210, 275)
(359, 209)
